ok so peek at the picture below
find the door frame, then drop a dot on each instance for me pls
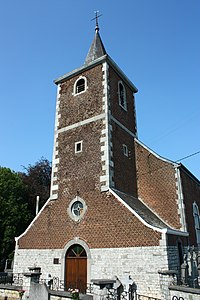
(80, 242)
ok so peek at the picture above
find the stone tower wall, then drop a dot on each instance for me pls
(123, 131)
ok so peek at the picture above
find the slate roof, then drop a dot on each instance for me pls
(96, 50)
(142, 210)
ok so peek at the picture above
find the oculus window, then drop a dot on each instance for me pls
(77, 209)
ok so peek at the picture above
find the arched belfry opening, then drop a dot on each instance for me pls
(76, 268)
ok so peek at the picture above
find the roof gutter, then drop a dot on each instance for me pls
(90, 65)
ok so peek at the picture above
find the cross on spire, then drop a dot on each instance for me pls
(96, 18)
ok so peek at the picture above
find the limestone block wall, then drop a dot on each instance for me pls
(173, 257)
(39, 258)
(179, 293)
(58, 298)
(141, 263)
(9, 294)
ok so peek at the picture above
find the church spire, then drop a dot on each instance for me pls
(97, 48)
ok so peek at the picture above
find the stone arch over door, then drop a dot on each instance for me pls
(76, 265)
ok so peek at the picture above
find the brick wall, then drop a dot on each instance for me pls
(157, 185)
(127, 118)
(85, 105)
(80, 171)
(191, 193)
(124, 166)
(106, 223)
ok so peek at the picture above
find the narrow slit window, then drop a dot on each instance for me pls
(122, 96)
(78, 147)
(125, 150)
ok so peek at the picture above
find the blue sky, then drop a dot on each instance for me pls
(155, 42)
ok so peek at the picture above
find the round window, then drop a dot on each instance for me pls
(77, 209)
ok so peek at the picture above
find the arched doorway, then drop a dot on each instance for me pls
(76, 268)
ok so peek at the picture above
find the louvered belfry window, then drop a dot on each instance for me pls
(80, 86)
(122, 95)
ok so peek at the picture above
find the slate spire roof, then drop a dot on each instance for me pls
(97, 49)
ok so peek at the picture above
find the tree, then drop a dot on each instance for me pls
(14, 212)
(18, 193)
(37, 180)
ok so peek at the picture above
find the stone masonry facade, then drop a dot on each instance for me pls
(141, 263)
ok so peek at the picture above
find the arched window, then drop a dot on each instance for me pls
(76, 251)
(196, 222)
(80, 85)
(122, 95)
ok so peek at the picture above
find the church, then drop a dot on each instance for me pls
(116, 207)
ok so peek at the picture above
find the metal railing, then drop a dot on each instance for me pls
(132, 294)
(11, 279)
(55, 284)
(143, 297)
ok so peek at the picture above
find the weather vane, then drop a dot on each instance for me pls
(96, 18)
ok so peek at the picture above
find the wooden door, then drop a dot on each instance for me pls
(76, 268)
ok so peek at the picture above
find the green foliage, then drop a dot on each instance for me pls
(14, 213)
(18, 193)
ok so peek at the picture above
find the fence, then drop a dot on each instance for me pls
(55, 284)
(11, 279)
(117, 294)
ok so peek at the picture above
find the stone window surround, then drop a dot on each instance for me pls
(124, 96)
(75, 85)
(81, 146)
(125, 150)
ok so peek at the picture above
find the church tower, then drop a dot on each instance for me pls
(102, 220)
(95, 128)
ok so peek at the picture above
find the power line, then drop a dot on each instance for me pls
(187, 156)
(166, 166)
